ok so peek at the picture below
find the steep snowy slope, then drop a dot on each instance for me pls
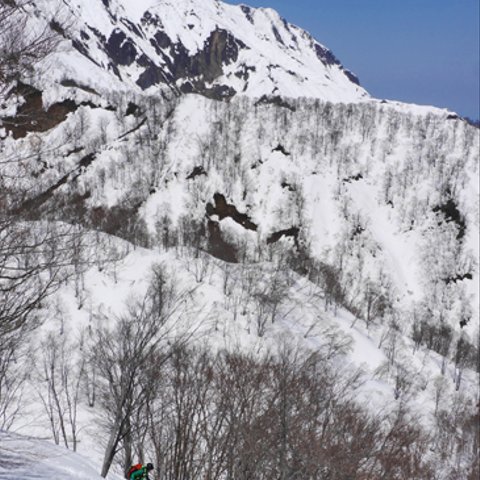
(366, 189)
(206, 46)
(220, 305)
(24, 458)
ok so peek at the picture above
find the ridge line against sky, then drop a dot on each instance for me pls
(417, 51)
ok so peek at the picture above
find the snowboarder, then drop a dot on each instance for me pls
(139, 472)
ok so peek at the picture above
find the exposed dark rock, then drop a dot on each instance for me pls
(222, 209)
(83, 49)
(353, 178)
(132, 109)
(290, 232)
(244, 72)
(86, 160)
(220, 49)
(452, 117)
(31, 117)
(328, 59)
(451, 213)
(72, 83)
(152, 75)
(280, 148)
(101, 37)
(144, 61)
(111, 66)
(275, 100)
(219, 92)
(358, 230)
(325, 55)
(180, 65)
(277, 35)
(149, 19)
(57, 27)
(84, 35)
(351, 76)
(248, 13)
(175, 63)
(187, 87)
(131, 26)
(289, 186)
(120, 48)
(458, 278)
(464, 322)
(218, 247)
(162, 39)
(197, 171)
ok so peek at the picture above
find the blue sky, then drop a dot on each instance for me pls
(421, 51)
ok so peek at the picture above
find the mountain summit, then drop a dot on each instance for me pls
(203, 46)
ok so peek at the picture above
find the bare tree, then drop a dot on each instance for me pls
(127, 356)
(34, 259)
(62, 376)
(289, 415)
(22, 45)
(123, 358)
(12, 381)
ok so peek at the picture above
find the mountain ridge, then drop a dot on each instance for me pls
(211, 48)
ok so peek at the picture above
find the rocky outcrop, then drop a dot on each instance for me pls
(31, 116)
(174, 65)
(218, 247)
(289, 232)
(223, 210)
(451, 213)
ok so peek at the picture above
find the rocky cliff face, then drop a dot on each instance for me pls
(207, 47)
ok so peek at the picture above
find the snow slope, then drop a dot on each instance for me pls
(223, 314)
(367, 180)
(26, 458)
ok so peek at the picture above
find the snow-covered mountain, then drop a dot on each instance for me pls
(234, 151)
(207, 47)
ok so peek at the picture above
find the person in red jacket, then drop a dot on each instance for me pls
(141, 473)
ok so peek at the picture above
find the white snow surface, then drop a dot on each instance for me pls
(28, 458)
